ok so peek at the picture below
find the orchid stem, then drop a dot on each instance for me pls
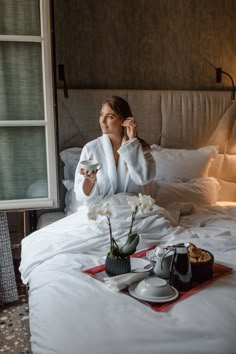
(133, 218)
(110, 232)
(112, 240)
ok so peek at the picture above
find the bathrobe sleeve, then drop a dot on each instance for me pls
(79, 180)
(140, 163)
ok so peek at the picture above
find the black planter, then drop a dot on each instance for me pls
(116, 266)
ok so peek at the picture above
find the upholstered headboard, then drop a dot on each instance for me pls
(174, 119)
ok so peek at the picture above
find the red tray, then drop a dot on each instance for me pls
(219, 271)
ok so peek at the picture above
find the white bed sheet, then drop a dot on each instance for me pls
(71, 312)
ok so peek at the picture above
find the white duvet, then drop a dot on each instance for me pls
(73, 313)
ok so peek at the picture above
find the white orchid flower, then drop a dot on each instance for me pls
(93, 212)
(133, 203)
(105, 209)
(99, 209)
(145, 203)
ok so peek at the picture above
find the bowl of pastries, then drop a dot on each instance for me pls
(202, 262)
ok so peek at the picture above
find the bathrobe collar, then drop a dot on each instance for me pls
(111, 166)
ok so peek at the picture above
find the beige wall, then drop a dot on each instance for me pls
(145, 44)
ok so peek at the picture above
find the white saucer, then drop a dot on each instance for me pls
(138, 265)
(131, 290)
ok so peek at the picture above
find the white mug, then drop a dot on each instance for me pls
(90, 166)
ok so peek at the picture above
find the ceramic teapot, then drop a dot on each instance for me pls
(163, 258)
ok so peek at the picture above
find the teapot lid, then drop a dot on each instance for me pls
(160, 251)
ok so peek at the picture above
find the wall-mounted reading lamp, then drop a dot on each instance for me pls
(62, 77)
(219, 73)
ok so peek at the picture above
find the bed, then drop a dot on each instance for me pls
(73, 312)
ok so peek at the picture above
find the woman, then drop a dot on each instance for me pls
(127, 163)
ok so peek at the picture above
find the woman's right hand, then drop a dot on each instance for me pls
(89, 176)
(89, 180)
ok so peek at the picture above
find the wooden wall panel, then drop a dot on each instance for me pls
(145, 44)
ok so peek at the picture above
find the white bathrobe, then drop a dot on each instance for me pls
(135, 169)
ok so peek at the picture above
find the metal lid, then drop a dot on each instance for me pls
(181, 248)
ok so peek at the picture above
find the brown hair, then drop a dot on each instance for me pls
(122, 108)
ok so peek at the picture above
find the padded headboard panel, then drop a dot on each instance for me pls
(174, 119)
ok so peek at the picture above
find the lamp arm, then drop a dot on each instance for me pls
(233, 91)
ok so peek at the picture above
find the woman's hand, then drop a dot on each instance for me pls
(89, 180)
(89, 176)
(130, 127)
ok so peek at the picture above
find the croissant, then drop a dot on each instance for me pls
(197, 254)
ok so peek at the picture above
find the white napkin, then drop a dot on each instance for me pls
(122, 281)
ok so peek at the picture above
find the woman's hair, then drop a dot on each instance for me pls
(120, 106)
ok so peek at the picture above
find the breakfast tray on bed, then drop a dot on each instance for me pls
(219, 270)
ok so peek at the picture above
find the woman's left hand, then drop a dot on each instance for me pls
(130, 127)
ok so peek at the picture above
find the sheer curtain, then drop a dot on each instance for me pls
(8, 289)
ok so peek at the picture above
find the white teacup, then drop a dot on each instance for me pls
(90, 166)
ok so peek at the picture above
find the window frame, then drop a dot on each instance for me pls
(49, 115)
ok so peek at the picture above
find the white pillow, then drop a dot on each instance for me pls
(181, 164)
(70, 157)
(199, 191)
(71, 203)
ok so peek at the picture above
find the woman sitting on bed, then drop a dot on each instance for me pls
(127, 163)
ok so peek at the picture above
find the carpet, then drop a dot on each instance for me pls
(14, 328)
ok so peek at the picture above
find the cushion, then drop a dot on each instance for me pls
(181, 164)
(199, 191)
(70, 157)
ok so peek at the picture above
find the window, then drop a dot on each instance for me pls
(28, 177)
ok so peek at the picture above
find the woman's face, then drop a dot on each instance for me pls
(110, 121)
